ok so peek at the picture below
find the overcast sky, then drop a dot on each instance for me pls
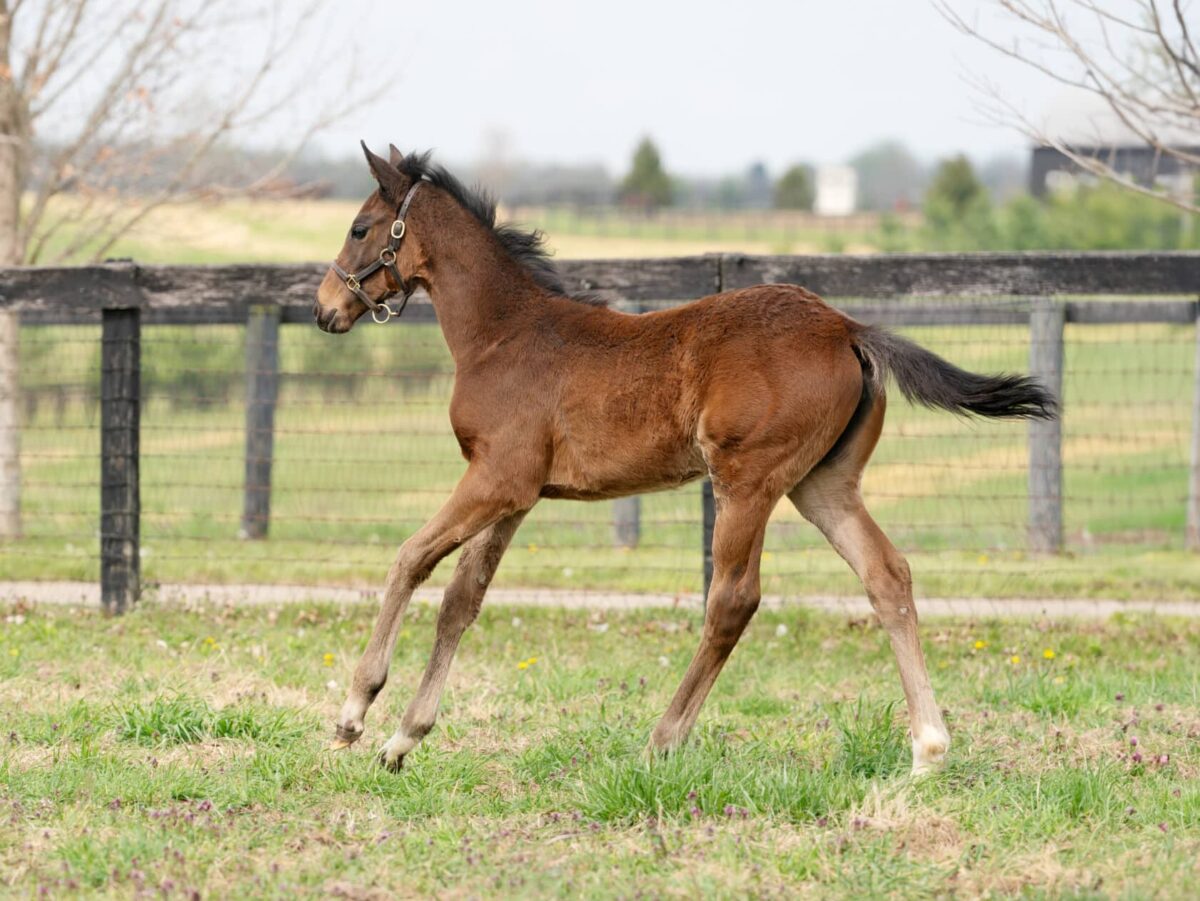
(717, 84)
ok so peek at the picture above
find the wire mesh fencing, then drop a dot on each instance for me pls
(358, 452)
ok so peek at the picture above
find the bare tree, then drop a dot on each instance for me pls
(110, 109)
(1137, 58)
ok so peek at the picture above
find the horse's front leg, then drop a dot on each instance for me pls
(460, 606)
(480, 500)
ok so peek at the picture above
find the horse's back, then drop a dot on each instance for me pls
(646, 399)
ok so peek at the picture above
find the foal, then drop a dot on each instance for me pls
(768, 391)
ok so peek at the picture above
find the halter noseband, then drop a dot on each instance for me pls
(385, 260)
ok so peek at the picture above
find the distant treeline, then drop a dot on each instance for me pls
(890, 178)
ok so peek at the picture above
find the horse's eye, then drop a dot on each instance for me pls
(358, 232)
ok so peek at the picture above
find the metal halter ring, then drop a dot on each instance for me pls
(380, 311)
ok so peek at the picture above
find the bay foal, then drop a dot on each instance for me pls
(768, 391)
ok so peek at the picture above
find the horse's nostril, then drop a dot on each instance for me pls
(323, 317)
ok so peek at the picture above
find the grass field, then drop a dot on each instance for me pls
(179, 752)
(305, 230)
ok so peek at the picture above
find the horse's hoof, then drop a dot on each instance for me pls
(929, 750)
(391, 764)
(343, 738)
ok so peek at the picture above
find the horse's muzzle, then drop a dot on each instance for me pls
(327, 319)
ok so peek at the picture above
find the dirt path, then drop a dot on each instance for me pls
(88, 594)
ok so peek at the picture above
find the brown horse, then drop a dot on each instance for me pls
(768, 391)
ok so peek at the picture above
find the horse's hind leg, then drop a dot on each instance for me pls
(460, 605)
(829, 498)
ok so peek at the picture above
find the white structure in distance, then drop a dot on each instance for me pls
(837, 191)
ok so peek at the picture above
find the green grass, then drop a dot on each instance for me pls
(182, 750)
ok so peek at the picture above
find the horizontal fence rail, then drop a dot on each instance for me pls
(1042, 295)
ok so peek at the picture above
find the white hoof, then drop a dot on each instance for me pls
(929, 750)
(392, 754)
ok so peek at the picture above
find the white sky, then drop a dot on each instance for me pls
(717, 84)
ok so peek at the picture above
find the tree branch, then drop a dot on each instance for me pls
(1152, 98)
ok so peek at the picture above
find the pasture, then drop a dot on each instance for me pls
(181, 752)
(301, 230)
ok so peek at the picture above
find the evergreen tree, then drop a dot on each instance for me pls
(958, 209)
(955, 188)
(794, 190)
(647, 184)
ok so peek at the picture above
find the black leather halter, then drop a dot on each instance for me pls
(385, 260)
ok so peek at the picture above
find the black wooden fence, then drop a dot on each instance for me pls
(897, 290)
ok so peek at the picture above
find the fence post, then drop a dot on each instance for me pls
(120, 421)
(1193, 502)
(627, 521)
(10, 424)
(1046, 321)
(708, 516)
(627, 511)
(262, 391)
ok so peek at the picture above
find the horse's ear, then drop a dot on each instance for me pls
(384, 173)
(395, 157)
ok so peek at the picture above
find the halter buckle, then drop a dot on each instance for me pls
(353, 283)
(383, 256)
(397, 231)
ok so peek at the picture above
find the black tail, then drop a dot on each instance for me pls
(925, 378)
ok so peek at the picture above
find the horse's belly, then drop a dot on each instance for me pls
(616, 472)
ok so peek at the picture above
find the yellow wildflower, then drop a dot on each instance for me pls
(1014, 659)
(1048, 653)
(524, 664)
(980, 645)
(327, 659)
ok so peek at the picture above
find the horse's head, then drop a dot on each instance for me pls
(367, 271)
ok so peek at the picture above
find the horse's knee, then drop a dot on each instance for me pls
(731, 609)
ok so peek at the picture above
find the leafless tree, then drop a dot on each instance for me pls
(110, 109)
(1137, 58)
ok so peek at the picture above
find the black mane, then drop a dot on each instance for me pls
(527, 248)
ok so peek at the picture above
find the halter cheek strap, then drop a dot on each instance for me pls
(385, 260)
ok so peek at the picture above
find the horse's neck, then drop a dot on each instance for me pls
(476, 289)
